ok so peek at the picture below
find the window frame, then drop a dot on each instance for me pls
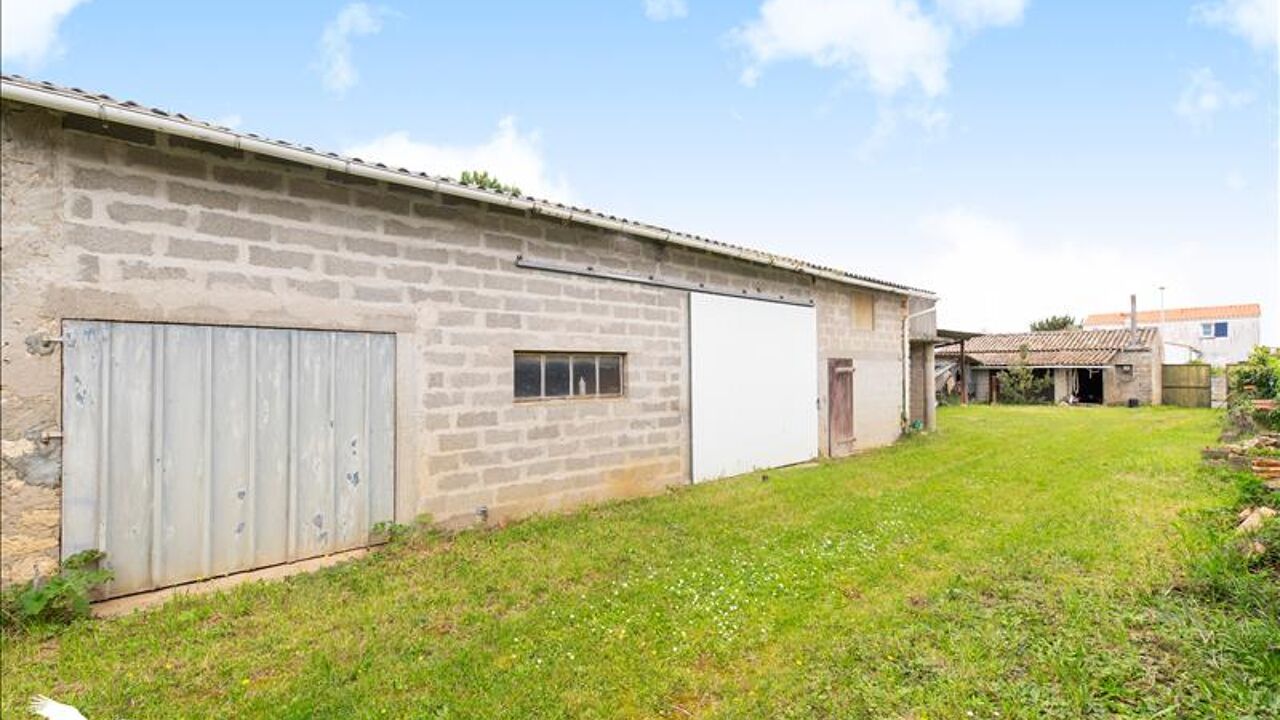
(866, 299)
(571, 357)
(1206, 330)
(1224, 326)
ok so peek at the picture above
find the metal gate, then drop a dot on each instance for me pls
(1186, 385)
(192, 451)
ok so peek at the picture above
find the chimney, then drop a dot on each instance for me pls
(1133, 320)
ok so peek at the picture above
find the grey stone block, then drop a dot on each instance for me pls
(408, 273)
(165, 162)
(212, 223)
(109, 240)
(369, 246)
(140, 270)
(286, 209)
(95, 179)
(123, 212)
(266, 257)
(184, 194)
(202, 250)
(248, 177)
(315, 288)
(350, 268)
(319, 190)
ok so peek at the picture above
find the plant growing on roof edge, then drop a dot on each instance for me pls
(485, 181)
(59, 599)
(1055, 322)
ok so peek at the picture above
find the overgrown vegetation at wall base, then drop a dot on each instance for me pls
(62, 598)
(1023, 562)
(1233, 566)
(1254, 397)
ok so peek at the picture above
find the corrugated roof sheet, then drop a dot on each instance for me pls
(1211, 312)
(707, 244)
(1046, 349)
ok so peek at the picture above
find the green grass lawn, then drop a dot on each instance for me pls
(1020, 562)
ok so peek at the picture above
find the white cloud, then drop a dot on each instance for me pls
(354, 20)
(29, 28)
(1203, 97)
(982, 13)
(932, 120)
(1256, 21)
(992, 278)
(662, 10)
(890, 43)
(513, 157)
(893, 45)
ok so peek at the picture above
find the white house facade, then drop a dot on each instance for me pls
(1218, 335)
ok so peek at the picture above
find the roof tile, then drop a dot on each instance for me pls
(1054, 348)
(1211, 312)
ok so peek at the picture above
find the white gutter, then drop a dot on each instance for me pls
(906, 363)
(109, 112)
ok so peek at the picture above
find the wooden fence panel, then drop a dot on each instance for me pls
(1186, 385)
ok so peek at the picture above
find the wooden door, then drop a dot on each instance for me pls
(839, 405)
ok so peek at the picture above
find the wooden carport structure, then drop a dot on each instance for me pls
(948, 338)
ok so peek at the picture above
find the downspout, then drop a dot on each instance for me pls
(906, 362)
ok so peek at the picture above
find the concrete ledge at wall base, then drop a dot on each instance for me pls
(141, 601)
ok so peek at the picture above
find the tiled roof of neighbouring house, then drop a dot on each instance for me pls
(128, 112)
(1058, 348)
(1213, 312)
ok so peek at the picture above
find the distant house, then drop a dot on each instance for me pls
(1217, 335)
(1104, 367)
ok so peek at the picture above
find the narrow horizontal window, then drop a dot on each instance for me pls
(557, 368)
(610, 382)
(545, 376)
(528, 376)
(584, 374)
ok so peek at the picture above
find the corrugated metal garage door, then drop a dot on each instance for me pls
(754, 384)
(192, 452)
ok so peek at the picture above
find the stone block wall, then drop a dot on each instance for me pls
(1144, 383)
(123, 224)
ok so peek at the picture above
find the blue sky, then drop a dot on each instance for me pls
(1021, 157)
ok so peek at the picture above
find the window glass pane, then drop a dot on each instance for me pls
(1206, 330)
(610, 375)
(528, 376)
(557, 376)
(584, 374)
(1220, 329)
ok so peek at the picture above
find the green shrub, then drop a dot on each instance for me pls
(58, 599)
(1019, 385)
(1055, 322)
(1258, 376)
